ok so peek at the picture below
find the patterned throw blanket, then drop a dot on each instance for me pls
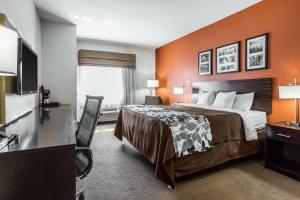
(191, 133)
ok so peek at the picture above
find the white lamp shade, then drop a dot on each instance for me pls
(152, 83)
(289, 92)
(8, 52)
(178, 90)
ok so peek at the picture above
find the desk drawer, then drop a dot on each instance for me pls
(283, 134)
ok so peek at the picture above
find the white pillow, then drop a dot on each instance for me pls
(206, 98)
(243, 101)
(224, 99)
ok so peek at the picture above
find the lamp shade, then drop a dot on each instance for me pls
(178, 90)
(289, 92)
(8, 52)
(152, 83)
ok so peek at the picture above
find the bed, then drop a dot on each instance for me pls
(153, 138)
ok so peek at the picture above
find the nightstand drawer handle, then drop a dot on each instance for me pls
(287, 136)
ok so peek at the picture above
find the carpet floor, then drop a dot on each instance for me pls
(120, 172)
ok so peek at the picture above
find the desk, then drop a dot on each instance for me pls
(42, 165)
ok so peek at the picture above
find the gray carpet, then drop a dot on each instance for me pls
(120, 172)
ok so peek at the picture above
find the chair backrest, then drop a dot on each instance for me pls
(88, 121)
(153, 100)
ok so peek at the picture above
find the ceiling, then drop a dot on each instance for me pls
(150, 23)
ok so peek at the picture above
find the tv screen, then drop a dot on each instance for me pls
(28, 70)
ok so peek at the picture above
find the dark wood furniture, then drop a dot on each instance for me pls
(42, 165)
(153, 100)
(283, 149)
(262, 88)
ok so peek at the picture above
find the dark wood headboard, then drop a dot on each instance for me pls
(262, 88)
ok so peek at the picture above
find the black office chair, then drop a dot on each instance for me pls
(84, 135)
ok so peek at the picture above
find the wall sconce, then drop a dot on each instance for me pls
(179, 90)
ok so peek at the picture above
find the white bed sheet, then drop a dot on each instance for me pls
(253, 120)
(258, 118)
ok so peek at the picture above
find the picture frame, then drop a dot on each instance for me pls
(205, 63)
(228, 58)
(257, 52)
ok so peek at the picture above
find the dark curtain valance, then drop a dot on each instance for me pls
(103, 58)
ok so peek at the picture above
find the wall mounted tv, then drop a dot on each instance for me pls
(27, 69)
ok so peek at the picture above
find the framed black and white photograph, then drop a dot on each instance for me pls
(228, 58)
(205, 62)
(257, 52)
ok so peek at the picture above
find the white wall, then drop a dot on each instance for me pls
(145, 62)
(59, 52)
(24, 15)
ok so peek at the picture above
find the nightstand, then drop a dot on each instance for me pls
(283, 149)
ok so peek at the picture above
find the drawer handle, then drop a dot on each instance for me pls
(287, 136)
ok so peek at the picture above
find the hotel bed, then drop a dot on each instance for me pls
(229, 127)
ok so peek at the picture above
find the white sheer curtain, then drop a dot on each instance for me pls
(100, 81)
(128, 86)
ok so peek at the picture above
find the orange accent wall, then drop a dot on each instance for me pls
(177, 62)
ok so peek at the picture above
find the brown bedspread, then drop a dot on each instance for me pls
(154, 139)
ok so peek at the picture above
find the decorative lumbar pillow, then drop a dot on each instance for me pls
(243, 101)
(206, 98)
(224, 99)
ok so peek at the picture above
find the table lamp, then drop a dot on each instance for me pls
(291, 91)
(8, 58)
(8, 51)
(151, 84)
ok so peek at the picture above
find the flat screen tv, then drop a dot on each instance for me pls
(27, 69)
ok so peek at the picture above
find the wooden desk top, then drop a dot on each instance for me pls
(283, 124)
(43, 129)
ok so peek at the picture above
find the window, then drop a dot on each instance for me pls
(99, 81)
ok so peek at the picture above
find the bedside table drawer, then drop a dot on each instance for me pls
(283, 134)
